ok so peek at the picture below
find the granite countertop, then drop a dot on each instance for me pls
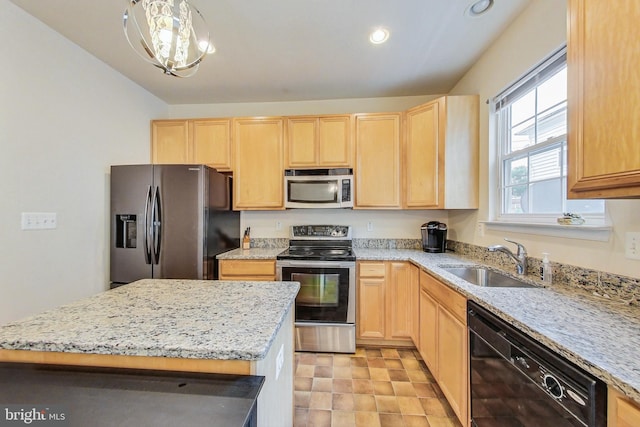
(199, 319)
(253, 253)
(599, 335)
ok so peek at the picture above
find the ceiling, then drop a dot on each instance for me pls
(292, 50)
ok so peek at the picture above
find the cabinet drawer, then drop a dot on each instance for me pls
(447, 297)
(371, 269)
(247, 268)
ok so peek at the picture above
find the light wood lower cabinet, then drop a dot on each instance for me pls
(622, 412)
(260, 270)
(387, 301)
(444, 341)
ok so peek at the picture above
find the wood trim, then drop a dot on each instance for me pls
(241, 367)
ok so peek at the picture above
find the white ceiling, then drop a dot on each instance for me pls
(291, 50)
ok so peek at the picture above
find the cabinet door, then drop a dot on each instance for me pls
(302, 142)
(423, 157)
(170, 141)
(371, 307)
(453, 371)
(414, 291)
(400, 301)
(259, 171)
(211, 143)
(377, 161)
(603, 99)
(334, 135)
(259, 270)
(427, 345)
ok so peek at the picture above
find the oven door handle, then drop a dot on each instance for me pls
(315, 264)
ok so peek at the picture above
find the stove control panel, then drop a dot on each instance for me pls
(321, 231)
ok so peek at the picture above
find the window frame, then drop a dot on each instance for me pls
(529, 81)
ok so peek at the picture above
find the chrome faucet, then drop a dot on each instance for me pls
(520, 258)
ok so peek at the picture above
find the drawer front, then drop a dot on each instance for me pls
(447, 297)
(244, 268)
(371, 269)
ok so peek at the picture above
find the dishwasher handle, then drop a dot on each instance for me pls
(492, 336)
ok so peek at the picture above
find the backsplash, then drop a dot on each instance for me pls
(387, 243)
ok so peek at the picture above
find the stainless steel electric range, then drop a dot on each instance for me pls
(321, 258)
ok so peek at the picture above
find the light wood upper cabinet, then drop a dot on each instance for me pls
(441, 154)
(204, 141)
(259, 167)
(170, 141)
(377, 171)
(603, 99)
(323, 141)
(211, 143)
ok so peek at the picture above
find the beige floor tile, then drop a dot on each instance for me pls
(433, 406)
(417, 376)
(360, 362)
(343, 402)
(415, 421)
(305, 371)
(302, 384)
(376, 362)
(343, 372)
(387, 404)
(300, 417)
(373, 352)
(342, 386)
(379, 374)
(360, 352)
(390, 353)
(403, 389)
(391, 420)
(362, 386)
(301, 399)
(364, 403)
(322, 384)
(393, 364)
(319, 418)
(320, 400)
(341, 360)
(343, 419)
(411, 364)
(435, 421)
(367, 419)
(383, 388)
(406, 354)
(323, 371)
(324, 360)
(410, 405)
(306, 358)
(398, 375)
(424, 390)
(360, 373)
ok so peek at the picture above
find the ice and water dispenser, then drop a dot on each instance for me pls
(126, 231)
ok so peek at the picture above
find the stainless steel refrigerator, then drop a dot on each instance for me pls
(170, 222)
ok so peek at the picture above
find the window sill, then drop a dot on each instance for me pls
(601, 233)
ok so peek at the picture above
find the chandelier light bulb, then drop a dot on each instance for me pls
(167, 33)
(379, 35)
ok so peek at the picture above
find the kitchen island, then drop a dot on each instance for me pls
(241, 328)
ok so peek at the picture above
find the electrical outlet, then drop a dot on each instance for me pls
(632, 245)
(481, 229)
(370, 226)
(39, 220)
(278, 225)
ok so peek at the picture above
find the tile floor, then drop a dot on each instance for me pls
(375, 387)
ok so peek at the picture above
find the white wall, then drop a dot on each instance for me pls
(64, 118)
(537, 32)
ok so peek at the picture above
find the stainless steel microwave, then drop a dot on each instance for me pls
(318, 188)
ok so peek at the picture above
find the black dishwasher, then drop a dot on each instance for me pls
(517, 382)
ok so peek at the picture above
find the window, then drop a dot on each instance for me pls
(531, 118)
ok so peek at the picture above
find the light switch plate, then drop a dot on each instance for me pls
(632, 245)
(39, 220)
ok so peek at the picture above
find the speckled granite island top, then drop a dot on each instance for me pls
(168, 318)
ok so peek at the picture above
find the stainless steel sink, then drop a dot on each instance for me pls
(484, 277)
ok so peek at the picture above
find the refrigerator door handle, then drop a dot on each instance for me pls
(147, 229)
(156, 217)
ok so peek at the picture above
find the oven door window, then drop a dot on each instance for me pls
(323, 295)
(313, 191)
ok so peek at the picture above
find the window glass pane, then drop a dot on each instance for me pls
(523, 135)
(553, 91)
(552, 123)
(516, 199)
(545, 165)
(546, 196)
(516, 171)
(524, 108)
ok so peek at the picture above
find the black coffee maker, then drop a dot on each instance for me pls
(434, 236)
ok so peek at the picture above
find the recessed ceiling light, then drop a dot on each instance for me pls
(202, 45)
(479, 7)
(379, 35)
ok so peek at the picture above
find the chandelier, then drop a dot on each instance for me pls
(170, 34)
